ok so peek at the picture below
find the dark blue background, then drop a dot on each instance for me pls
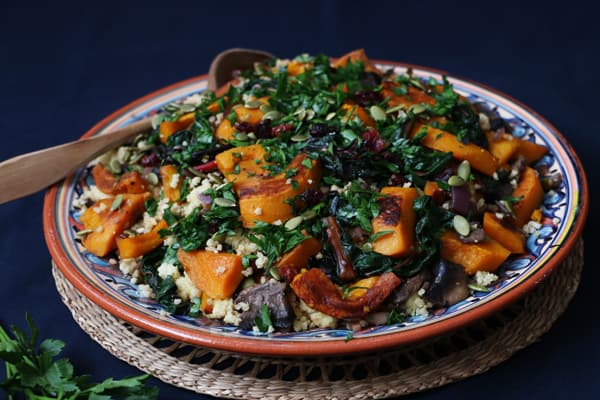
(64, 67)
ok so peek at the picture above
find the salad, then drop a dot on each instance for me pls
(316, 193)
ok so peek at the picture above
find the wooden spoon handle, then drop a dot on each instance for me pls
(28, 173)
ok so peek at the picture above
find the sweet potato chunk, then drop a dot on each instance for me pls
(215, 274)
(224, 131)
(250, 115)
(360, 287)
(319, 292)
(396, 214)
(484, 256)
(108, 224)
(290, 264)
(266, 198)
(433, 190)
(139, 245)
(412, 96)
(171, 182)
(530, 190)
(509, 237)
(437, 139)
(167, 128)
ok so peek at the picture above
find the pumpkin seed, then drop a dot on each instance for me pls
(272, 115)
(309, 214)
(330, 116)
(265, 108)
(142, 145)
(241, 136)
(152, 178)
(248, 282)
(116, 202)
(156, 120)
(123, 154)
(293, 223)
(367, 247)
(377, 113)
(300, 113)
(83, 232)
(258, 68)
(135, 157)
(455, 180)
(310, 114)
(274, 274)
(478, 288)
(186, 108)
(349, 135)
(394, 109)
(215, 178)
(417, 108)
(115, 166)
(251, 136)
(461, 225)
(223, 202)
(252, 104)
(301, 137)
(196, 173)
(464, 170)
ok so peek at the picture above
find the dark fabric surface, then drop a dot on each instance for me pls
(64, 67)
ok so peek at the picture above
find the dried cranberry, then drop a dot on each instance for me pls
(244, 127)
(263, 129)
(150, 160)
(281, 129)
(373, 141)
(366, 98)
(397, 180)
(311, 197)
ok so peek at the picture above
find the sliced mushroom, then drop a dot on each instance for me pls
(448, 285)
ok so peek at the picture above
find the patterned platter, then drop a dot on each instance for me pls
(564, 211)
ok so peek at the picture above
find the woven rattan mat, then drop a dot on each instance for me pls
(466, 352)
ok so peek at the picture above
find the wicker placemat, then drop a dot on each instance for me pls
(469, 351)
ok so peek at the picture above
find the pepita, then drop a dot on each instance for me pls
(464, 170)
(248, 282)
(330, 116)
(274, 274)
(394, 109)
(123, 154)
(272, 115)
(223, 202)
(293, 223)
(116, 202)
(310, 114)
(152, 178)
(477, 288)
(456, 180)
(241, 136)
(301, 137)
(417, 108)
(461, 225)
(309, 214)
(265, 108)
(156, 120)
(252, 104)
(115, 166)
(83, 232)
(187, 107)
(377, 113)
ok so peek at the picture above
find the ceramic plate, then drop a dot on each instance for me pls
(564, 211)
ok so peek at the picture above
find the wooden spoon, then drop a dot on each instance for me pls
(28, 173)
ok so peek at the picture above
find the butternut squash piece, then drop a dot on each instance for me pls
(509, 237)
(412, 96)
(295, 68)
(250, 115)
(484, 256)
(354, 110)
(171, 182)
(437, 139)
(167, 128)
(319, 292)
(530, 190)
(396, 214)
(139, 245)
(265, 198)
(433, 190)
(240, 163)
(215, 274)
(504, 148)
(292, 262)
(224, 131)
(106, 182)
(360, 287)
(531, 151)
(358, 55)
(108, 224)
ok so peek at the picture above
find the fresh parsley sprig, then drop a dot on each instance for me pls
(33, 371)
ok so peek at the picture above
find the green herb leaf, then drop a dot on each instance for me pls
(263, 321)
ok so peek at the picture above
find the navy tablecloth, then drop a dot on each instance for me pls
(63, 67)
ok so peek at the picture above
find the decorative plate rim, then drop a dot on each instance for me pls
(332, 347)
